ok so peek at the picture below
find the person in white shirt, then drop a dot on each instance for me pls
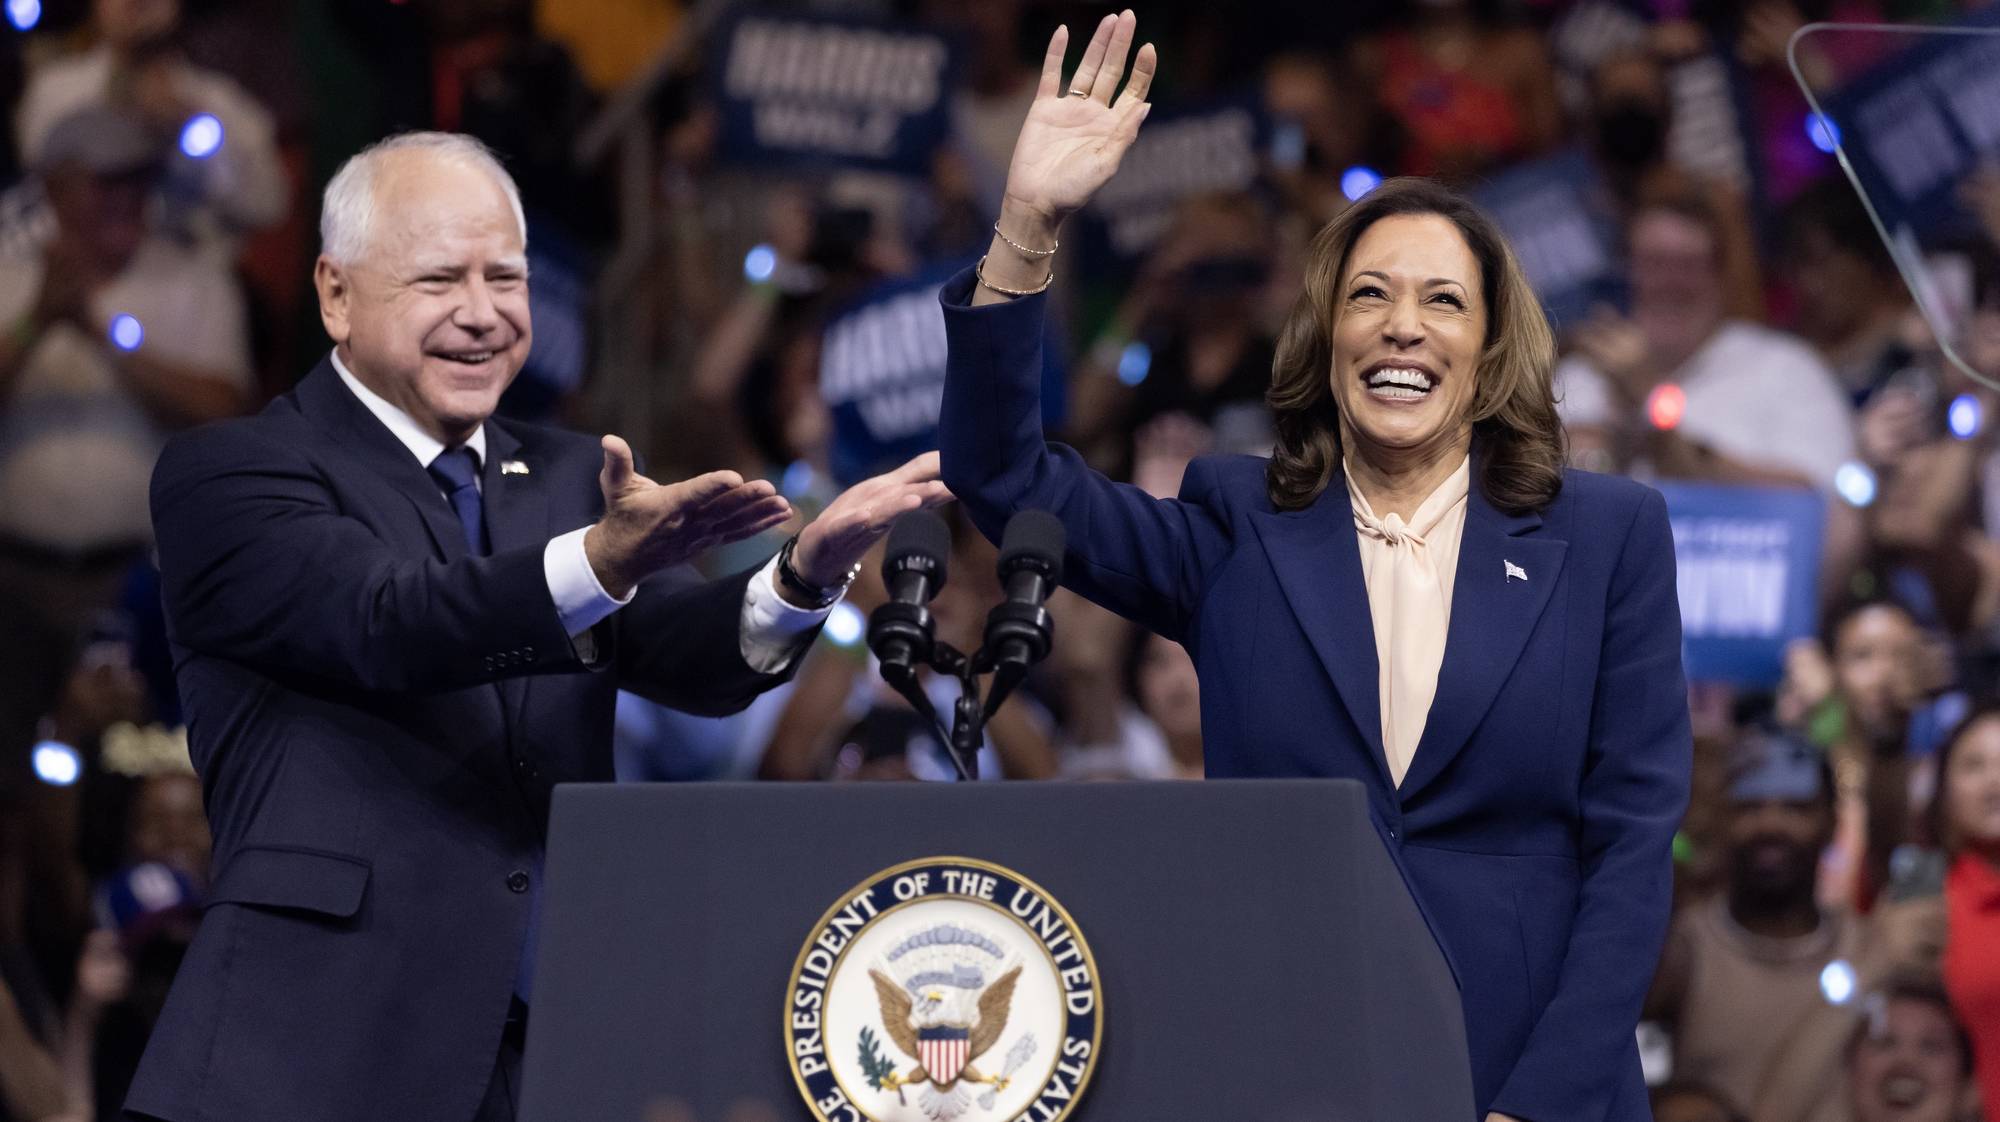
(236, 186)
(1759, 405)
(112, 338)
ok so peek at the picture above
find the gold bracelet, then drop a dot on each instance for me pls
(979, 271)
(1024, 250)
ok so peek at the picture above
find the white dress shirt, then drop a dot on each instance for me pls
(770, 631)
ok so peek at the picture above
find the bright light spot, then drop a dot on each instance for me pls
(1666, 405)
(57, 764)
(844, 624)
(1837, 981)
(1134, 363)
(1683, 848)
(1822, 131)
(201, 136)
(797, 480)
(127, 332)
(1358, 181)
(24, 14)
(1964, 416)
(759, 264)
(1855, 483)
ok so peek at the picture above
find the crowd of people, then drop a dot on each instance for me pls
(1836, 949)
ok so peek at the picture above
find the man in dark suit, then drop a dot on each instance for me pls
(397, 622)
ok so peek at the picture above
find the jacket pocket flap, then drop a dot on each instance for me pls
(328, 883)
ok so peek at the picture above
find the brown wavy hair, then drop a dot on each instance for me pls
(1516, 431)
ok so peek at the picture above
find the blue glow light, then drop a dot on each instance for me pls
(1836, 981)
(1855, 483)
(844, 624)
(57, 764)
(24, 14)
(798, 479)
(759, 264)
(1358, 181)
(1134, 363)
(127, 332)
(1964, 416)
(1822, 131)
(201, 137)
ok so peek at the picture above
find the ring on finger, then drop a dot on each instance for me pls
(1078, 93)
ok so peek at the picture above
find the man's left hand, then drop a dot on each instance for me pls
(860, 516)
(1496, 1116)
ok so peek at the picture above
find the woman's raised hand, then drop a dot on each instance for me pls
(1075, 134)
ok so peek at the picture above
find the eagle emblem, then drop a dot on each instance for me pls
(945, 989)
(945, 994)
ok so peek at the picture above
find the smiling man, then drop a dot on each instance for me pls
(397, 622)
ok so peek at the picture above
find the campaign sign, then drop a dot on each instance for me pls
(881, 373)
(795, 88)
(1748, 572)
(1916, 125)
(1183, 152)
(1564, 241)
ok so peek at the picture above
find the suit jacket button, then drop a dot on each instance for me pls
(517, 881)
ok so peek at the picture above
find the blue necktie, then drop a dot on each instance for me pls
(457, 471)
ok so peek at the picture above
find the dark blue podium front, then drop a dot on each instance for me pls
(1259, 956)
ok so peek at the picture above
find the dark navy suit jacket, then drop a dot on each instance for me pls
(1535, 823)
(378, 718)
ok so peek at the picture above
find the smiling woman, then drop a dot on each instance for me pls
(1415, 288)
(1391, 597)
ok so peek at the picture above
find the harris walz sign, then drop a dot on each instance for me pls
(801, 88)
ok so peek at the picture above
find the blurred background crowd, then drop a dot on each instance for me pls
(739, 217)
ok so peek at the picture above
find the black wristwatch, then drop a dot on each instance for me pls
(816, 596)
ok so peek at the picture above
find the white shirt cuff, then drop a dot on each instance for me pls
(769, 637)
(581, 602)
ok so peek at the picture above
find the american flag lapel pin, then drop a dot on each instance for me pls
(1515, 572)
(513, 467)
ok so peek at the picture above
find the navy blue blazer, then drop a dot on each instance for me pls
(378, 718)
(1536, 820)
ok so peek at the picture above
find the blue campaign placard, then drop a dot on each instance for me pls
(1564, 239)
(797, 88)
(1914, 126)
(881, 373)
(1185, 150)
(1747, 561)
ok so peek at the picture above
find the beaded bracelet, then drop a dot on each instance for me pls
(1024, 250)
(979, 271)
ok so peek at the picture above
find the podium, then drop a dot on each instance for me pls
(1255, 955)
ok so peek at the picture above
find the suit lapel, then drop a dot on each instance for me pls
(1506, 573)
(517, 517)
(325, 399)
(1318, 561)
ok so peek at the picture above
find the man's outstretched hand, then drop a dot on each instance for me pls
(853, 522)
(650, 526)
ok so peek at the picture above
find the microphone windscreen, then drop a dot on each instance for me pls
(1034, 538)
(918, 540)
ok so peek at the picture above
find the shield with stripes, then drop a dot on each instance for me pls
(942, 1049)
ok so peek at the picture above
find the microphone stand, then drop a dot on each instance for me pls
(967, 731)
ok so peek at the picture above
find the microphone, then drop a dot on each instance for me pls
(1019, 631)
(901, 631)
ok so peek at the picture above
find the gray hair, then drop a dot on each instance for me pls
(348, 208)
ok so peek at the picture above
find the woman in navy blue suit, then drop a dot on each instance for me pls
(1411, 591)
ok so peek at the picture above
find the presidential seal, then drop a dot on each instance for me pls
(944, 989)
